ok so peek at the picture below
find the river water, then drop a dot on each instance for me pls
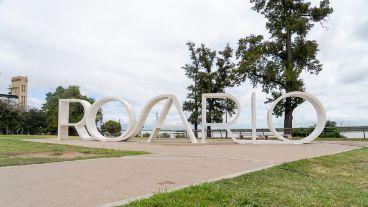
(349, 134)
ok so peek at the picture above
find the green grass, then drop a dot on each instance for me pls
(334, 180)
(217, 139)
(343, 139)
(15, 151)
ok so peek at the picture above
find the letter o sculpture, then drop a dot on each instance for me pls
(91, 117)
(317, 105)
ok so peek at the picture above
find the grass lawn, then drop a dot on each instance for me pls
(15, 151)
(343, 139)
(334, 180)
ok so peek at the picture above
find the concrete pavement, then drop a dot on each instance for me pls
(111, 181)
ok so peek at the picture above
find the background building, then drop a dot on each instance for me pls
(12, 99)
(19, 87)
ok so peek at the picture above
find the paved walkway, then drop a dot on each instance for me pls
(112, 181)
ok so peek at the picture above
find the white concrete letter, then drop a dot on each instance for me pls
(321, 117)
(91, 120)
(170, 100)
(225, 126)
(63, 119)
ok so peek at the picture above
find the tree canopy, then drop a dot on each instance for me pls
(51, 106)
(14, 121)
(111, 128)
(211, 72)
(277, 63)
(9, 116)
(33, 121)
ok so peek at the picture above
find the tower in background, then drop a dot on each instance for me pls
(19, 87)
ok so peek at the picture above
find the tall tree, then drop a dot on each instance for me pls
(33, 121)
(211, 72)
(51, 106)
(277, 63)
(9, 116)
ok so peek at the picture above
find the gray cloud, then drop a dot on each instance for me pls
(362, 31)
(354, 76)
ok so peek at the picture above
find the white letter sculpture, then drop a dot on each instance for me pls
(63, 119)
(321, 118)
(87, 129)
(317, 105)
(225, 126)
(91, 120)
(88, 121)
(170, 100)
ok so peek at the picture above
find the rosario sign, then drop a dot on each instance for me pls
(87, 128)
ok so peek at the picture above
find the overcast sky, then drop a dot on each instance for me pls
(135, 50)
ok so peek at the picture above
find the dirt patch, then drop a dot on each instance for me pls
(167, 182)
(64, 155)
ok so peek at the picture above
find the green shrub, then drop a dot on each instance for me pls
(301, 132)
(330, 131)
(165, 135)
(111, 128)
(180, 135)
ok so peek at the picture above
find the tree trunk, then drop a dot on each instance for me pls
(209, 117)
(209, 131)
(288, 121)
(209, 120)
(195, 129)
(289, 66)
